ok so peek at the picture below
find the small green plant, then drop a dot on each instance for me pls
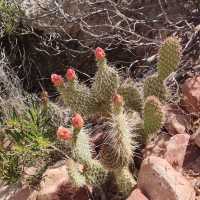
(9, 14)
(31, 138)
(120, 102)
(10, 169)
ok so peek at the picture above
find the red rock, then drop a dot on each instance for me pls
(137, 195)
(191, 94)
(159, 181)
(13, 192)
(176, 150)
(176, 120)
(56, 185)
(196, 137)
(156, 147)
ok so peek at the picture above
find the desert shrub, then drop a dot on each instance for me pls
(9, 16)
(31, 138)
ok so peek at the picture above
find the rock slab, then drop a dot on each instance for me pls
(159, 180)
(176, 150)
(191, 94)
(137, 195)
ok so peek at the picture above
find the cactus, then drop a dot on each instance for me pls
(117, 150)
(74, 173)
(132, 97)
(125, 181)
(153, 116)
(81, 148)
(76, 96)
(153, 86)
(118, 101)
(94, 173)
(105, 84)
(169, 57)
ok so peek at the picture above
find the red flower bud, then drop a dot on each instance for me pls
(118, 100)
(57, 80)
(71, 75)
(100, 54)
(77, 121)
(63, 133)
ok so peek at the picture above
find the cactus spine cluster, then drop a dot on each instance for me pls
(117, 100)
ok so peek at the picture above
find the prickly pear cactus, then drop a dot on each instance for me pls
(153, 116)
(106, 82)
(118, 147)
(169, 57)
(94, 173)
(114, 99)
(77, 97)
(131, 95)
(74, 173)
(125, 182)
(153, 86)
(81, 147)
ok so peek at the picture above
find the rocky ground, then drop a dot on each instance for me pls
(168, 167)
(170, 163)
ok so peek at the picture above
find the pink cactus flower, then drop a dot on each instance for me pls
(63, 133)
(100, 54)
(118, 100)
(57, 80)
(71, 74)
(77, 121)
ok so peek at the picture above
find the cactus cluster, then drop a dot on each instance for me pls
(124, 106)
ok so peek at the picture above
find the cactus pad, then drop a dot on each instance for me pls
(76, 178)
(81, 148)
(77, 97)
(132, 98)
(169, 57)
(153, 116)
(94, 173)
(153, 86)
(106, 82)
(125, 181)
(117, 150)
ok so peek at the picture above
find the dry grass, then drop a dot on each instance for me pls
(11, 93)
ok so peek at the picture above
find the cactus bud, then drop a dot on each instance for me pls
(57, 80)
(70, 75)
(117, 100)
(100, 54)
(77, 121)
(63, 133)
(44, 97)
